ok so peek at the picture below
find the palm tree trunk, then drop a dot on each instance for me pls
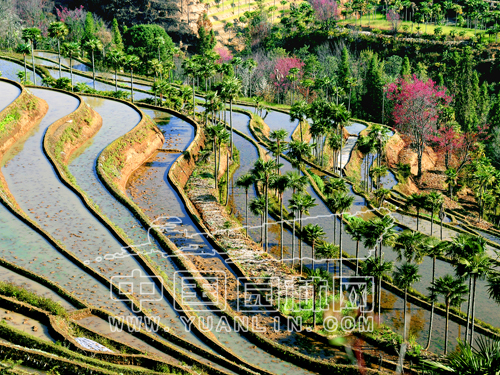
(313, 255)
(281, 226)
(357, 258)
(300, 240)
(432, 305)
(116, 81)
(59, 56)
(70, 71)
(314, 306)
(474, 282)
(340, 245)
(468, 310)
(33, 62)
(246, 216)
(379, 296)
(432, 220)
(227, 178)
(194, 104)
(441, 229)
(25, 69)
(404, 314)
(266, 215)
(418, 216)
(446, 328)
(231, 123)
(93, 72)
(293, 240)
(132, 84)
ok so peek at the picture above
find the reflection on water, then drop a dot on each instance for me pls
(8, 93)
(10, 69)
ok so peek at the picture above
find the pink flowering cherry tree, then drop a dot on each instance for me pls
(417, 106)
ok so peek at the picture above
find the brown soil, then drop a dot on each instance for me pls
(137, 153)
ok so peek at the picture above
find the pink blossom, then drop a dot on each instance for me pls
(64, 14)
(225, 55)
(325, 9)
(282, 69)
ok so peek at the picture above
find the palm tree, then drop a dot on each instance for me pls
(263, 170)
(301, 203)
(58, 30)
(340, 202)
(433, 248)
(131, 62)
(379, 134)
(297, 183)
(258, 207)
(24, 49)
(278, 136)
(71, 49)
(280, 184)
(452, 290)
(30, 35)
(245, 181)
(298, 151)
(410, 245)
(191, 69)
(477, 266)
(377, 173)
(92, 45)
(451, 179)
(376, 268)
(299, 112)
(231, 89)
(380, 195)
(433, 201)
(115, 59)
(332, 186)
(328, 251)
(313, 233)
(404, 277)
(415, 200)
(356, 229)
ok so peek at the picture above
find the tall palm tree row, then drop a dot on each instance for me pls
(58, 30)
(91, 46)
(71, 49)
(31, 35)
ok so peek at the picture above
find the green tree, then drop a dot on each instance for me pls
(279, 137)
(263, 171)
(376, 268)
(116, 34)
(58, 30)
(30, 35)
(92, 46)
(356, 229)
(404, 277)
(328, 251)
(89, 28)
(231, 89)
(417, 201)
(433, 202)
(131, 62)
(246, 181)
(452, 290)
(115, 59)
(191, 70)
(281, 184)
(299, 111)
(301, 203)
(24, 49)
(433, 248)
(206, 35)
(313, 233)
(258, 207)
(71, 49)
(373, 91)
(406, 70)
(339, 203)
(141, 40)
(344, 72)
(410, 245)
